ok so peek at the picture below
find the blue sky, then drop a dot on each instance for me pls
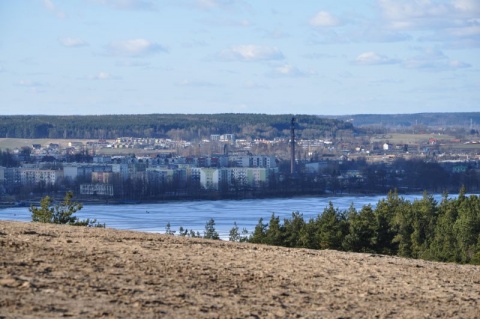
(324, 57)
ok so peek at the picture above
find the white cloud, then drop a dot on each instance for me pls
(467, 31)
(255, 86)
(33, 87)
(227, 22)
(251, 52)
(102, 76)
(452, 23)
(408, 14)
(128, 4)
(376, 33)
(134, 47)
(196, 83)
(433, 60)
(411, 14)
(427, 60)
(324, 19)
(72, 42)
(133, 63)
(50, 6)
(372, 58)
(290, 71)
(207, 4)
(467, 6)
(29, 84)
(229, 5)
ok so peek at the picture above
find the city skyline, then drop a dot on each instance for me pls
(232, 56)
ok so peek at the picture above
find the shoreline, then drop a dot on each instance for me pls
(90, 201)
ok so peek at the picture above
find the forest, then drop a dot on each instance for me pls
(175, 126)
(447, 231)
(443, 120)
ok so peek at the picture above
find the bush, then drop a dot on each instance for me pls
(61, 213)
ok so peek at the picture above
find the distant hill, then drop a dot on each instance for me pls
(406, 120)
(186, 126)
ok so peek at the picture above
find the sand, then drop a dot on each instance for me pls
(55, 271)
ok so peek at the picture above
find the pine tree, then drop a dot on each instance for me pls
(275, 232)
(330, 228)
(61, 213)
(361, 231)
(210, 232)
(168, 230)
(234, 234)
(259, 233)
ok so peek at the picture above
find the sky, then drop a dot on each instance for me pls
(324, 57)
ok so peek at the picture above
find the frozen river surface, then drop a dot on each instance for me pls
(194, 215)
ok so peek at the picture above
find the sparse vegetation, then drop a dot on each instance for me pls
(61, 213)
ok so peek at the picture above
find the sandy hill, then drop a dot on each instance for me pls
(52, 271)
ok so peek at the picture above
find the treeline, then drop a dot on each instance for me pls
(408, 120)
(7, 159)
(447, 231)
(181, 126)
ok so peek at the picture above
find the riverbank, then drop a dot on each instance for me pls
(52, 271)
(88, 200)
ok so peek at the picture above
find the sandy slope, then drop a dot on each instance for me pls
(49, 271)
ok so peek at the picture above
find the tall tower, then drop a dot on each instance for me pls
(292, 146)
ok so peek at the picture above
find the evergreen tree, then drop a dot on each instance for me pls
(275, 232)
(294, 229)
(61, 213)
(44, 213)
(385, 229)
(444, 245)
(168, 230)
(424, 219)
(258, 235)
(330, 228)
(210, 232)
(237, 236)
(403, 221)
(234, 234)
(308, 238)
(361, 231)
(467, 227)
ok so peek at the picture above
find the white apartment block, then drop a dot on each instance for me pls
(159, 174)
(122, 169)
(30, 176)
(2, 174)
(96, 189)
(211, 178)
(254, 161)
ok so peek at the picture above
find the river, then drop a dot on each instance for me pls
(194, 214)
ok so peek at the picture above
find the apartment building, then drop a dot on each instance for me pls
(29, 176)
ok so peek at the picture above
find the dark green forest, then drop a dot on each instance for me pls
(447, 231)
(409, 120)
(183, 126)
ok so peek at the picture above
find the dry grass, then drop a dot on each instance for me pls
(398, 138)
(53, 271)
(12, 143)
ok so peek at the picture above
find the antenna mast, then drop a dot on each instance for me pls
(292, 146)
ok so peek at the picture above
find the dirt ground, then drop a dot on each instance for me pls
(54, 271)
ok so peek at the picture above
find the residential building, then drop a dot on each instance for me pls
(96, 189)
(30, 176)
